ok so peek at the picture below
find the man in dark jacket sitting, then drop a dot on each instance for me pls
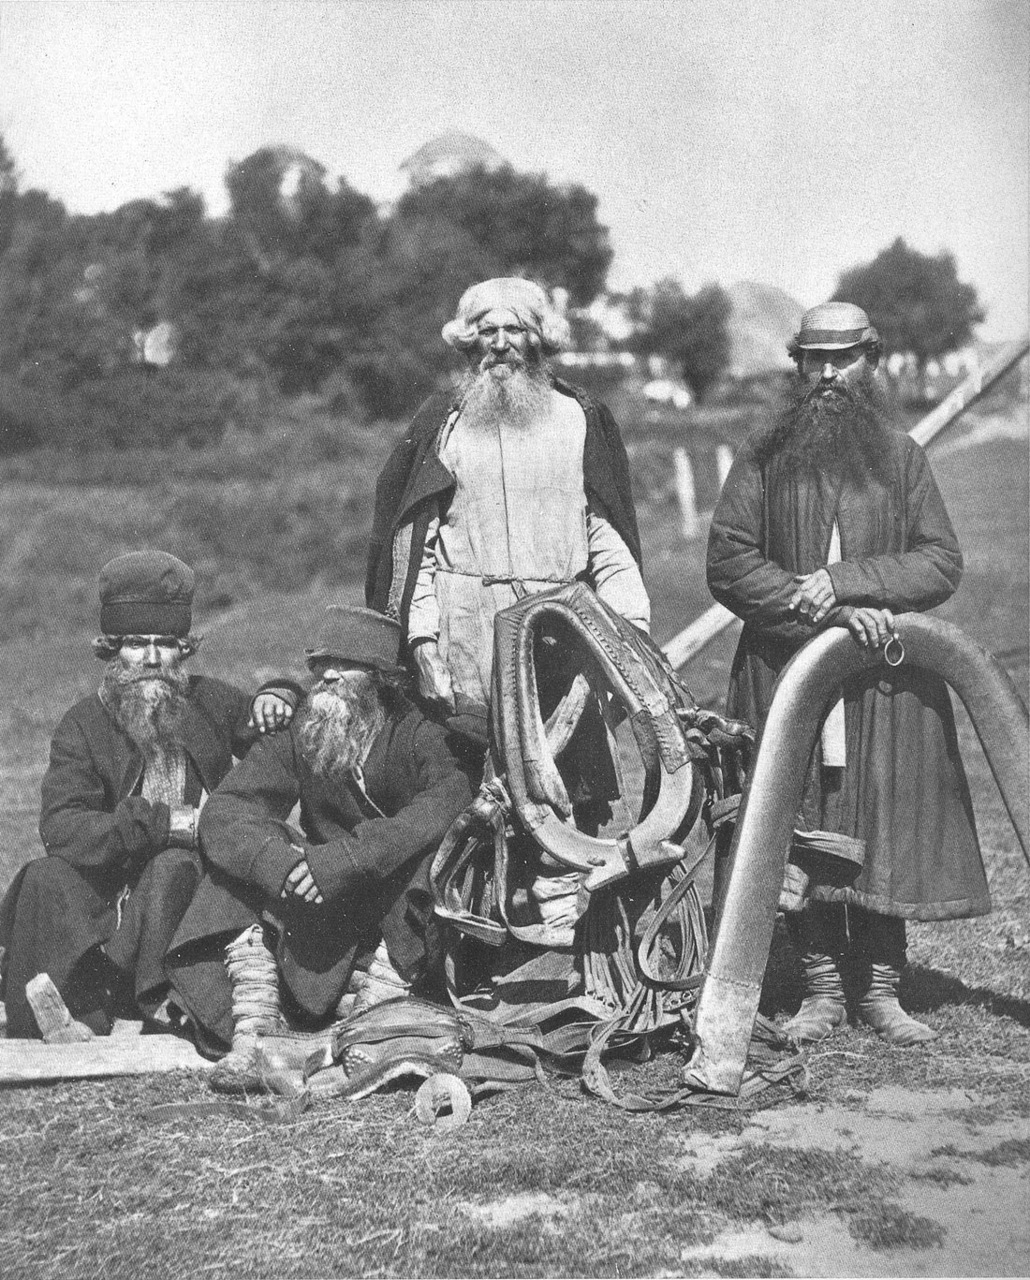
(288, 914)
(129, 768)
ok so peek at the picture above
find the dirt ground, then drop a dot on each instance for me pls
(938, 1140)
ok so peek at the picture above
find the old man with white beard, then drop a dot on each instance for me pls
(284, 916)
(516, 484)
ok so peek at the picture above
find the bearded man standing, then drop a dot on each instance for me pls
(831, 517)
(277, 927)
(517, 484)
(129, 767)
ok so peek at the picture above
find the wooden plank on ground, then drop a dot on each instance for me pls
(32, 1062)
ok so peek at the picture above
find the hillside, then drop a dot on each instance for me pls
(763, 320)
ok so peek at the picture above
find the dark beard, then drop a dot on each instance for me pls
(339, 728)
(845, 432)
(517, 391)
(149, 707)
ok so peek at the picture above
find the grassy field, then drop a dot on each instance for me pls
(543, 1181)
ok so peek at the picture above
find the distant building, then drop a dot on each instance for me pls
(155, 347)
(448, 155)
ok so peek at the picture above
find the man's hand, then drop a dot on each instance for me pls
(269, 713)
(814, 596)
(434, 680)
(872, 628)
(300, 883)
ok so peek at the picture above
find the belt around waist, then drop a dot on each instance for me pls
(496, 579)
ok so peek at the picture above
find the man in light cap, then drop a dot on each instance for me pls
(516, 484)
(279, 923)
(831, 517)
(129, 768)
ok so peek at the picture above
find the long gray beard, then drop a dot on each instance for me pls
(517, 392)
(339, 729)
(149, 708)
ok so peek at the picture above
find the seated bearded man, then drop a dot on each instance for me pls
(129, 768)
(283, 918)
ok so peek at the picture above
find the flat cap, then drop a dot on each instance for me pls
(834, 326)
(146, 593)
(351, 633)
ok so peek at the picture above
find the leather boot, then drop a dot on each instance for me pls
(254, 980)
(823, 1008)
(881, 959)
(818, 935)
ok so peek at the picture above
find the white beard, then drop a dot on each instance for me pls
(340, 727)
(517, 393)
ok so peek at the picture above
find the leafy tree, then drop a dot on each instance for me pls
(286, 252)
(521, 224)
(691, 331)
(8, 195)
(282, 209)
(915, 300)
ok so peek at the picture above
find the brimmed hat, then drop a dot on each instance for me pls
(146, 593)
(834, 326)
(350, 633)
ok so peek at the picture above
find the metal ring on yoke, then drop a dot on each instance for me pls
(894, 652)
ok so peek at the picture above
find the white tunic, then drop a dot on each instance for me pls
(517, 524)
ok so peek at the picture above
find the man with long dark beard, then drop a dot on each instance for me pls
(279, 924)
(129, 768)
(831, 517)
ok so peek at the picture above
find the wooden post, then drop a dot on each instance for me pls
(686, 494)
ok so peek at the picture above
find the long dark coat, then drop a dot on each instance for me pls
(414, 483)
(903, 789)
(372, 867)
(103, 837)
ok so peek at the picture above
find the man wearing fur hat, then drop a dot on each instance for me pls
(831, 517)
(129, 768)
(290, 913)
(515, 484)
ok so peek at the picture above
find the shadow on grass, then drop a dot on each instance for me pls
(924, 990)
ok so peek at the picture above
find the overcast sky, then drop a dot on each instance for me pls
(726, 139)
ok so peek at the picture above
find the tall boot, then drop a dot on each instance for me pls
(880, 947)
(818, 935)
(254, 981)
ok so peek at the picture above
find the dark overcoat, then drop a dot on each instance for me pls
(414, 484)
(903, 790)
(369, 851)
(102, 837)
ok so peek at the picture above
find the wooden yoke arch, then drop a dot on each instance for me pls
(809, 684)
(642, 680)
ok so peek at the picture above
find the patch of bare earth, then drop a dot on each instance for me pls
(962, 1208)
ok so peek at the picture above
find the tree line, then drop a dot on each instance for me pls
(306, 286)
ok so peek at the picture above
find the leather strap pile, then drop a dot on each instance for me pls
(641, 942)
